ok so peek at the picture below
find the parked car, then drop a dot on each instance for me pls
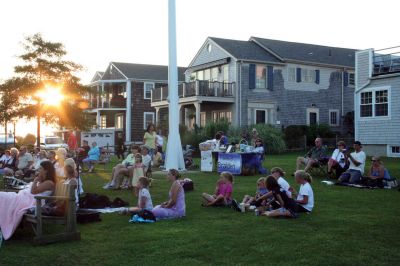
(52, 143)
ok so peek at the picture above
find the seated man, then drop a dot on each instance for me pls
(356, 161)
(24, 162)
(146, 159)
(312, 157)
(338, 160)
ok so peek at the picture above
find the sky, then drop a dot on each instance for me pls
(136, 31)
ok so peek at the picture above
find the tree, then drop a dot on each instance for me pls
(9, 102)
(44, 66)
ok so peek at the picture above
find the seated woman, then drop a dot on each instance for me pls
(14, 205)
(338, 160)
(122, 169)
(175, 207)
(223, 192)
(376, 174)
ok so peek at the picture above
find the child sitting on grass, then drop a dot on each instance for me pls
(287, 206)
(305, 197)
(223, 192)
(258, 200)
(135, 171)
(144, 198)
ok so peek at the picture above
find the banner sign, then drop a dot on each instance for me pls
(206, 164)
(229, 162)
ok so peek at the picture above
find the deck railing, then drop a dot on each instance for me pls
(386, 61)
(203, 88)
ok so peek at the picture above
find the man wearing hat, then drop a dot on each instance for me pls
(357, 163)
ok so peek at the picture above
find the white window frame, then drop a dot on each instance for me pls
(374, 90)
(390, 153)
(312, 110)
(144, 118)
(291, 76)
(144, 89)
(337, 117)
(255, 115)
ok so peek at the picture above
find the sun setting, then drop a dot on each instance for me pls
(50, 95)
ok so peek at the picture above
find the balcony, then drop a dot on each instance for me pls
(207, 90)
(117, 102)
(387, 63)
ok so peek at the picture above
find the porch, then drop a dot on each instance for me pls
(199, 90)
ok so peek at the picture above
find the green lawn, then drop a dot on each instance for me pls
(348, 226)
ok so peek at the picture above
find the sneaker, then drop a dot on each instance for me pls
(107, 186)
(235, 206)
(242, 207)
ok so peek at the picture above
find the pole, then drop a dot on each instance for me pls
(38, 130)
(174, 156)
(14, 132)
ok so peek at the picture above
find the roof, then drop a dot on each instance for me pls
(97, 76)
(245, 50)
(146, 72)
(309, 52)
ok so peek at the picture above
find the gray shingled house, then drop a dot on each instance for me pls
(377, 101)
(266, 81)
(120, 97)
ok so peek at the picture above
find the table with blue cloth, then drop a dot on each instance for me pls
(244, 163)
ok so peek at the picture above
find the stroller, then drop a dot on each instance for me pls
(188, 156)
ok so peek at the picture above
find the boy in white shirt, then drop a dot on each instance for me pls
(356, 160)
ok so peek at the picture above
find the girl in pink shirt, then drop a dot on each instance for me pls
(223, 192)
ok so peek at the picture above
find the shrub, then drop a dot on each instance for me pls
(211, 128)
(271, 136)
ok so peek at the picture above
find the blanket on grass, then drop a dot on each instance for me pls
(12, 207)
(327, 182)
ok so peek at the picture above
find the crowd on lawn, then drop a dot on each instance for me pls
(274, 195)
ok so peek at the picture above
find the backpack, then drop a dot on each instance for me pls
(94, 201)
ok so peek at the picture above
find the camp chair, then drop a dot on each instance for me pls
(320, 168)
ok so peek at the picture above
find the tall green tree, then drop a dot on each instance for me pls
(9, 102)
(43, 65)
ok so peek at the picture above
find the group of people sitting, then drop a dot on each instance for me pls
(349, 166)
(274, 196)
(49, 173)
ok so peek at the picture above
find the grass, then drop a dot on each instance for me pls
(348, 226)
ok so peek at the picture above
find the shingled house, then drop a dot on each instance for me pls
(120, 97)
(266, 81)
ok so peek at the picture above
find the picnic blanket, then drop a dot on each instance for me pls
(12, 207)
(328, 182)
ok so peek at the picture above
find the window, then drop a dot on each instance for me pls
(351, 79)
(396, 149)
(218, 115)
(209, 47)
(312, 116)
(334, 118)
(103, 121)
(381, 103)
(366, 104)
(307, 75)
(202, 119)
(260, 117)
(374, 103)
(207, 74)
(200, 75)
(148, 88)
(148, 119)
(214, 74)
(291, 74)
(119, 121)
(226, 73)
(261, 77)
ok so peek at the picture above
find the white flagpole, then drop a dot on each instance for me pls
(174, 156)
